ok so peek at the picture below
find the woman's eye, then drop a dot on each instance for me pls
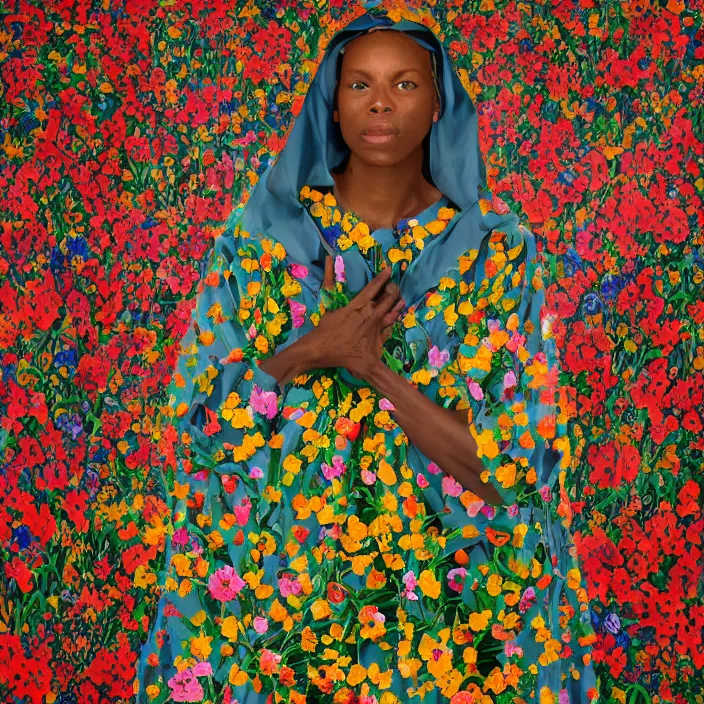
(361, 83)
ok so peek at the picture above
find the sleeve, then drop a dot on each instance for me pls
(505, 372)
(220, 399)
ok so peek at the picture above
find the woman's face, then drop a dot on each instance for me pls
(385, 98)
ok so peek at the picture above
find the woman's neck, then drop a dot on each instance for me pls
(381, 196)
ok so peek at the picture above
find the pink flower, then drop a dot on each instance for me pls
(456, 577)
(368, 477)
(180, 537)
(298, 312)
(512, 649)
(256, 473)
(260, 624)
(545, 493)
(527, 600)
(202, 669)
(433, 468)
(242, 512)
(265, 402)
(338, 468)
(298, 271)
(339, 269)
(410, 582)
(288, 586)
(225, 584)
(438, 358)
(563, 697)
(422, 481)
(386, 405)
(185, 687)
(475, 390)
(463, 698)
(509, 380)
(451, 486)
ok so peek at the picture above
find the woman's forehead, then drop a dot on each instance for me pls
(412, 53)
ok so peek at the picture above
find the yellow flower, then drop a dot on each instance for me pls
(308, 639)
(428, 584)
(356, 675)
(479, 621)
(230, 628)
(200, 646)
(320, 609)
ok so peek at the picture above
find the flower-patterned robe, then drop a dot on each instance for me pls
(316, 555)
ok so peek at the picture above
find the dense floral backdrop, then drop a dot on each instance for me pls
(129, 131)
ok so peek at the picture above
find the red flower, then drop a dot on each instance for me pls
(336, 593)
(18, 571)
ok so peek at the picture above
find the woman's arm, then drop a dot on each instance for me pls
(439, 433)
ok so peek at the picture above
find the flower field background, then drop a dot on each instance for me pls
(129, 131)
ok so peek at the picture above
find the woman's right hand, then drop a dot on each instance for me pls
(353, 336)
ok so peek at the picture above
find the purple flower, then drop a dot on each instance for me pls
(612, 623)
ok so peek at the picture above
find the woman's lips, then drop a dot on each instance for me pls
(378, 136)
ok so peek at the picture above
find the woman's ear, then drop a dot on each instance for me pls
(335, 116)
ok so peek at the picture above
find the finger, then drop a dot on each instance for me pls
(386, 332)
(391, 316)
(386, 304)
(329, 278)
(370, 291)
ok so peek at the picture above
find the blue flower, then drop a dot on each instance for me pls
(23, 537)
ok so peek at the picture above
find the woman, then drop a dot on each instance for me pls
(368, 421)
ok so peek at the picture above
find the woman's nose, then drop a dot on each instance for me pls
(380, 106)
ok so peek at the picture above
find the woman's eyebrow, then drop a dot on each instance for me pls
(361, 72)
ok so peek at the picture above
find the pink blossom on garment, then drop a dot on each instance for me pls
(260, 624)
(512, 649)
(527, 600)
(298, 312)
(422, 481)
(368, 477)
(433, 468)
(225, 584)
(338, 468)
(256, 473)
(242, 512)
(180, 537)
(339, 269)
(509, 380)
(438, 358)
(289, 587)
(410, 582)
(298, 271)
(451, 486)
(202, 669)
(265, 402)
(456, 577)
(185, 687)
(475, 390)
(386, 405)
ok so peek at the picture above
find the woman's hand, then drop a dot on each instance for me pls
(353, 336)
